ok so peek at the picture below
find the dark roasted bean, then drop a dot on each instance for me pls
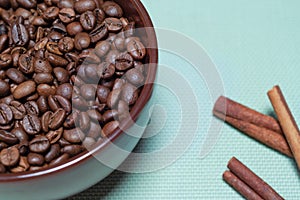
(57, 61)
(102, 93)
(136, 49)
(109, 128)
(113, 98)
(42, 103)
(74, 28)
(106, 70)
(54, 135)
(4, 88)
(88, 91)
(40, 78)
(124, 61)
(113, 24)
(71, 120)
(84, 121)
(6, 114)
(32, 108)
(5, 60)
(53, 153)
(57, 119)
(129, 93)
(42, 66)
(35, 159)
(24, 89)
(18, 109)
(99, 33)
(15, 75)
(59, 160)
(66, 44)
(112, 9)
(20, 134)
(135, 76)
(65, 90)
(82, 6)
(74, 135)
(9, 156)
(26, 63)
(95, 115)
(51, 13)
(46, 90)
(102, 48)
(28, 4)
(39, 144)
(8, 137)
(3, 41)
(72, 150)
(82, 41)
(67, 15)
(31, 124)
(88, 20)
(110, 115)
(65, 4)
(52, 47)
(19, 34)
(61, 75)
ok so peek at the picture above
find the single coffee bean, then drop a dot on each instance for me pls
(6, 114)
(95, 115)
(82, 41)
(106, 70)
(66, 44)
(53, 153)
(123, 110)
(135, 76)
(99, 33)
(102, 93)
(31, 124)
(61, 75)
(35, 168)
(65, 90)
(111, 56)
(42, 103)
(32, 108)
(19, 34)
(88, 20)
(113, 98)
(110, 115)
(84, 121)
(71, 120)
(72, 150)
(45, 121)
(88, 91)
(124, 61)
(5, 60)
(3, 41)
(112, 9)
(88, 142)
(20, 134)
(95, 130)
(59, 160)
(24, 89)
(74, 135)
(119, 44)
(136, 49)
(57, 119)
(39, 21)
(52, 47)
(56, 60)
(35, 159)
(91, 72)
(51, 13)
(65, 4)
(18, 109)
(3, 75)
(46, 78)
(8, 137)
(39, 144)
(102, 48)
(54, 135)
(74, 28)
(28, 4)
(4, 88)
(46, 90)
(113, 24)
(10, 156)
(23, 147)
(15, 75)
(55, 36)
(82, 6)
(109, 128)
(7, 99)
(118, 84)
(26, 63)
(42, 66)
(129, 93)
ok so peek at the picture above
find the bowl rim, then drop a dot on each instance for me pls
(144, 97)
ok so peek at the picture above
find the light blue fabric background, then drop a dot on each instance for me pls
(254, 45)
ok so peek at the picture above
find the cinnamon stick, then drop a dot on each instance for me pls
(262, 128)
(252, 180)
(287, 121)
(240, 186)
(238, 111)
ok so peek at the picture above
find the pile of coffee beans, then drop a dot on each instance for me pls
(70, 71)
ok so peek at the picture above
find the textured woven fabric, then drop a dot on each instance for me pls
(254, 45)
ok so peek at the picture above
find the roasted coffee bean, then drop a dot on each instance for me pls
(88, 20)
(40, 78)
(35, 168)
(84, 121)
(42, 66)
(109, 128)
(45, 121)
(102, 48)
(110, 115)
(71, 120)
(3, 41)
(20, 134)
(4, 88)
(88, 91)
(118, 84)
(65, 4)
(135, 76)
(39, 144)
(91, 71)
(23, 165)
(111, 56)
(61, 75)
(95, 115)
(28, 4)
(112, 9)
(55, 102)
(46, 90)
(72, 150)
(7, 99)
(106, 70)
(82, 41)
(6, 114)
(82, 6)
(5, 60)
(99, 33)
(19, 34)
(8, 137)
(51, 13)
(55, 36)
(57, 61)
(59, 160)
(102, 93)
(95, 130)
(74, 135)
(113, 24)
(35, 159)
(65, 90)
(57, 119)
(136, 49)
(41, 44)
(23, 147)
(54, 135)
(78, 102)
(113, 98)
(66, 44)
(18, 109)
(124, 61)
(32, 108)
(74, 28)
(24, 89)
(88, 142)
(31, 124)
(52, 47)
(15, 75)
(129, 93)
(123, 110)
(39, 21)
(53, 153)
(67, 15)
(42, 103)
(119, 44)
(10, 156)
(26, 63)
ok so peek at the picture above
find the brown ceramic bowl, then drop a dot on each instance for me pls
(92, 166)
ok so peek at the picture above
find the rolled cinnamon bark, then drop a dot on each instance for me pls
(240, 186)
(252, 180)
(287, 121)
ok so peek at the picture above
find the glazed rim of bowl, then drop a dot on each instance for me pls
(152, 54)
